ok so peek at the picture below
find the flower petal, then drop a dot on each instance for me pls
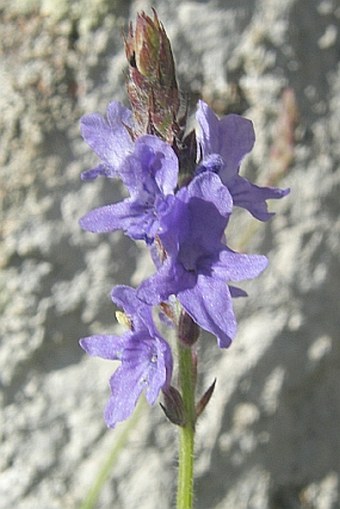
(138, 312)
(237, 138)
(194, 223)
(233, 266)
(105, 346)
(158, 161)
(169, 279)
(146, 365)
(208, 187)
(128, 215)
(253, 198)
(160, 370)
(108, 137)
(100, 170)
(209, 304)
(207, 134)
(232, 137)
(125, 389)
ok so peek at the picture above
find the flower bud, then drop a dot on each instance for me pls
(152, 85)
(148, 49)
(173, 406)
(188, 330)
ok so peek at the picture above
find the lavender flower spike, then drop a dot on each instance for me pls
(109, 138)
(146, 361)
(224, 143)
(198, 267)
(150, 174)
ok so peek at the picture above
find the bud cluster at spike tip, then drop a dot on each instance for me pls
(181, 219)
(152, 85)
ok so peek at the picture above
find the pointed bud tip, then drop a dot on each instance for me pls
(201, 405)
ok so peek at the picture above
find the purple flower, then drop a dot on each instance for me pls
(198, 266)
(109, 138)
(150, 174)
(224, 143)
(146, 361)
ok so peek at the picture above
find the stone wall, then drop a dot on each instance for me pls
(269, 438)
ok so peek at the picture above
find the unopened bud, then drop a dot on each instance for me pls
(152, 85)
(173, 406)
(188, 330)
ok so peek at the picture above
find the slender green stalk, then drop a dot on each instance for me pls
(187, 432)
(106, 470)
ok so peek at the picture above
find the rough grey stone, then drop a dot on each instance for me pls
(269, 438)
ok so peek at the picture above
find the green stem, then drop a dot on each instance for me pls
(187, 432)
(106, 469)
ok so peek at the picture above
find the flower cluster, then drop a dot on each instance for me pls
(183, 222)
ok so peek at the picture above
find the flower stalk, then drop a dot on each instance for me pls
(187, 379)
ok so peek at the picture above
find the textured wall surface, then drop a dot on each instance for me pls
(270, 437)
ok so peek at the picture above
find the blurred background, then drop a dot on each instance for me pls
(269, 438)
